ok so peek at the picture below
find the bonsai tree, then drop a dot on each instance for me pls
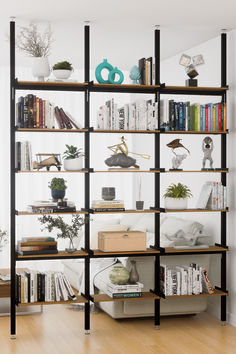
(72, 152)
(177, 191)
(57, 184)
(62, 65)
(64, 230)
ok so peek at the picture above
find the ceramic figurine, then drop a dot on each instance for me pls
(111, 75)
(135, 75)
(177, 159)
(207, 148)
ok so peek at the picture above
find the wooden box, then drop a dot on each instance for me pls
(118, 241)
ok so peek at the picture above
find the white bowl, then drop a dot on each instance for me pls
(73, 164)
(61, 74)
(176, 203)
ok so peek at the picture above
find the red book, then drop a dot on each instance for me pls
(206, 117)
(219, 116)
(59, 119)
(40, 113)
(43, 112)
(65, 119)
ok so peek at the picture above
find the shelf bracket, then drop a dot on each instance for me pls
(220, 289)
(87, 297)
(161, 249)
(220, 245)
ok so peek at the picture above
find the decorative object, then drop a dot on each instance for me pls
(58, 188)
(207, 148)
(133, 277)
(111, 73)
(190, 64)
(73, 158)
(62, 70)
(177, 159)
(176, 196)
(139, 203)
(119, 275)
(135, 75)
(52, 160)
(38, 46)
(120, 157)
(65, 231)
(108, 193)
(3, 239)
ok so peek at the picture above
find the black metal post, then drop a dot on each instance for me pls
(223, 60)
(87, 175)
(13, 186)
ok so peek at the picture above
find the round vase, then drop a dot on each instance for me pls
(108, 193)
(73, 164)
(40, 67)
(119, 275)
(62, 74)
(176, 203)
(58, 194)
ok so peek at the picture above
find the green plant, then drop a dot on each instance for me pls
(3, 237)
(57, 184)
(72, 152)
(64, 230)
(62, 65)
(177, 191)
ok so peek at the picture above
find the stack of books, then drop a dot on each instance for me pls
(34, 112)
(23, 156)
(108, 205)
(140, 115)
(213, 196)
(192, 117)
(48, 206)
(124, 291)
(37, 245)
(184, 280)
(33, 286)
(147, 71)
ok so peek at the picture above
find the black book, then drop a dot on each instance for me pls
(171, 115)
(26, 116)
(109, 209)
(27, 274)
(30, 111)
(141, 65)
(18, 288)
(64, 209)
(43, 287)
(36, 253)
(18, 155)
(39, 287)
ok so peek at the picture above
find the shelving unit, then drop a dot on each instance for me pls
(86, 253)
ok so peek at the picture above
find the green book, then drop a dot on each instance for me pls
(192, 117)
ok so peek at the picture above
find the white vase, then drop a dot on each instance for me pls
(61, 74)
(40, 67)
(73, 164)
(176, 203)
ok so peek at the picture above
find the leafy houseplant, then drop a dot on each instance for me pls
(176, 196)
(62, 70)
(58, 188)
(65, 231)
(3, 238)
(73, 158)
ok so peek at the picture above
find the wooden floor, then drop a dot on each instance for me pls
(59, 330)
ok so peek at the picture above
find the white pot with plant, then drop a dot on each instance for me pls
(139, 202)
(62, 70)
(176, 196)
(73, 158)
(37, 46)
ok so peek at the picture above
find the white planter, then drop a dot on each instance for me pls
(73, 164)
(61, 74)
(40, 67)
(176, 203)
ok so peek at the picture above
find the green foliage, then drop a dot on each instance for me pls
(57, 184)
(64, 230)
(177, 191)
(62, 65)
(3, 237)
(72, 152)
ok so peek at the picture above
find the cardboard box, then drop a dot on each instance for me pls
(118, 241)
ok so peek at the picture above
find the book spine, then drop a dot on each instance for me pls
(224, 117)
(206, 117)
(219, 116)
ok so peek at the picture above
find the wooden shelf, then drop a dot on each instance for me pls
(59, 255)
(124, 88)
(125, 131)
(192, 90)
(193, 132)
(29, 213)
(210, 249)
(128, 211)
(194, 210)
(197, 171)
(216, 293)
(50, 85)
(79, 299)
(52, 171)
(105, 297)
(127, 171)
(149, 251)
(46, 130)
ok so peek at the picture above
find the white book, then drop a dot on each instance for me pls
(47, 114)
(116, 117)
(132, 117)
(155, 116)
(200, 280)
(225, 197)
(52, 116)
(169, 283)
(62, 287)
(100, 120)
(57, 290)
(126, 116)
(32, 286)
(68, 287)
(178, 282)
(26, 289)
(149, 115)
(204, 195)
(125, 286)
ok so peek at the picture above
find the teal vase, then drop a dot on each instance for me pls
(98, 71)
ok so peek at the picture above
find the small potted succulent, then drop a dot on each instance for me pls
(73, 158)
(176, 196)
(62, 70)
(58, 188)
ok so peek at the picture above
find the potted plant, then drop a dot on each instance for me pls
(62, 70)
(3, 238)
(139, 202)
(38, 46)
(58, 188)
(73, 158)
(176, 196)
(65, 231)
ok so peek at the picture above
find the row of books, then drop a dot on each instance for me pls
(192, 117)
(37, 245)
(51, 206)
(213, 196)
(108, 205)
(184, 280)
(124, 291)
(33, 286)
(147, 71)
(34, 112)
(23, 156)
(140, 115)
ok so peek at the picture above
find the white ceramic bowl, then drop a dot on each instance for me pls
(62, 74)
(176, 203)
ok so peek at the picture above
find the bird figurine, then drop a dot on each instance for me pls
(174, 144)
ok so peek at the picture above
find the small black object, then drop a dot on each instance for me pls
(175, 169)
(191, 82)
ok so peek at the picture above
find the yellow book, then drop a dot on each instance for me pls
(224, 117)
(214, 118)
